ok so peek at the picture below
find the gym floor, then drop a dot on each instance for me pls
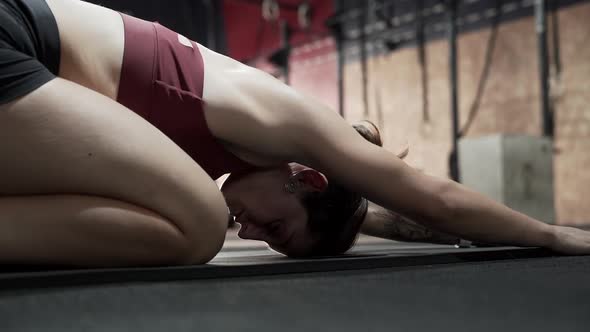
(379, 286)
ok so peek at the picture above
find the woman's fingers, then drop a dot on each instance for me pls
(405, 151)
(571, 241)
(371, 133)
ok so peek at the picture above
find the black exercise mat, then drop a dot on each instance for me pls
(524, 295)
(261, 262)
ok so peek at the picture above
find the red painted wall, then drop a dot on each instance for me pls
(313, 65)
(249, 35)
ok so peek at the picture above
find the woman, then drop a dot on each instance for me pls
(114, 128)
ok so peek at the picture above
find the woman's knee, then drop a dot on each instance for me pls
(206, 239)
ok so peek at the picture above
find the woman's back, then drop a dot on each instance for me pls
(92, 43)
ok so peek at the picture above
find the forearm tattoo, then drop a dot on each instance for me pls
(390, 225)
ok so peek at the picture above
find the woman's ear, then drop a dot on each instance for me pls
(312, 179)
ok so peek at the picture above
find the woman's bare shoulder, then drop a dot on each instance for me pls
(249, 108)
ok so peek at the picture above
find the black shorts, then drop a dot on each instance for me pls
(29, 47)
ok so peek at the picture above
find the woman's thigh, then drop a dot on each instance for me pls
(66, 139)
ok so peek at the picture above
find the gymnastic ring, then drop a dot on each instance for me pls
(304, 15)
(270, 10)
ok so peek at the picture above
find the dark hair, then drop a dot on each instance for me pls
(335, 215)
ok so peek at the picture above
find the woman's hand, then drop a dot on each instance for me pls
(571, 241)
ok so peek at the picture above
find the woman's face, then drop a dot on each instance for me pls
(267, 212)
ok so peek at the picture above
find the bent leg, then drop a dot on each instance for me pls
(85, 231)
(64, 139)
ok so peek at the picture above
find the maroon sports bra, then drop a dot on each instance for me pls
(162, 79)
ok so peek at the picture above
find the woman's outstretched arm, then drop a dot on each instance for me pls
(333, 147)
(441, 204)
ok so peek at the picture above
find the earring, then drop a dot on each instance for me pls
(291, 187)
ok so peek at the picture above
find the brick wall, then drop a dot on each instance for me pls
(510, 103)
